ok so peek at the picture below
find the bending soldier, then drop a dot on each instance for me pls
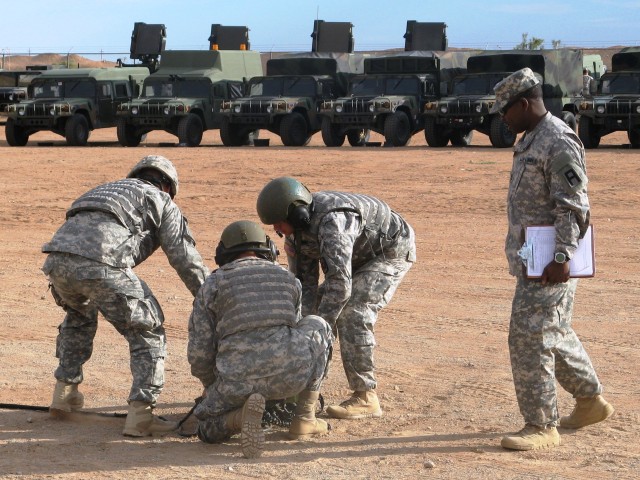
(364, 249)
(109, 230)
(248, 343)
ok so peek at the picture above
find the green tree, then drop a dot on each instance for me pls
(530, 44)
(556, 44)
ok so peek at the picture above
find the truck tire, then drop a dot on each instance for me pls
(570, 119)
(127, 135)
(332, 135)
(16, 135)
(461, 138)
(76, 130)
(233, 135)
(434, 134)
(499, 133)
(358, 138)
(294, 131)
(397, 129)
(587, 133)
(634, 137)
(190, 130)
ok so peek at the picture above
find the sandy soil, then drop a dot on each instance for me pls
(443, 367)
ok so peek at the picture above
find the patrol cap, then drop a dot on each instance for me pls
(515, 84)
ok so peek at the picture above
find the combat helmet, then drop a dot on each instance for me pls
(244, 236)
(284, 199)
(161, 164)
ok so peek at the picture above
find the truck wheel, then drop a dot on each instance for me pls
(570, 119)
(435, 134)
(461, 138)
(397, 129)
(499, 133)
(634, 137)
(16, 135)
(294, 131)
(76, 130)
(127, 134)
(232, 134)
(358, 138)
(190, 130)
(588, 133)
(332, 135)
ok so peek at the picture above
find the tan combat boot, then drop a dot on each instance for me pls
(251, 433)
(587, 412)
(66, 398)
(532, 437)
(361, 405)
(305, 424)
(141, 422)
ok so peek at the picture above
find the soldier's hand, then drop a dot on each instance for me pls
(555, 273)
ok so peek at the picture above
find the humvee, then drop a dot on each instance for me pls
(389, 97)
(183, 96)
(71, 103)
(286, 100)
(616, 104)
(454, 118)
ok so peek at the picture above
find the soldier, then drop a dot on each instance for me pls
(364, 249)
(248, 343)
(548, 187)
(587, 81)
(109, 230)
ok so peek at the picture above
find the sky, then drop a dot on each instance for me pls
(94, 26)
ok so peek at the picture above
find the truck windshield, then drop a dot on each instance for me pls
(402, 86)
(176, 87)
(476, 84)
(619, 84)
(283, 86)
(67, 88)
(385, 85)
(367, 86)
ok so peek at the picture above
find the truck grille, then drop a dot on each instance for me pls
(356, 106)
(254, 107)
(44, 109)
(619, 107)
(461, 108)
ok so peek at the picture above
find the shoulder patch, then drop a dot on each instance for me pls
(571, 173)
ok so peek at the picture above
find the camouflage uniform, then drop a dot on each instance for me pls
(364, 249)
(246, 335)
(547, 187)
(109, 230)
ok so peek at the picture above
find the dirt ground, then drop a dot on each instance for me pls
(442, 360)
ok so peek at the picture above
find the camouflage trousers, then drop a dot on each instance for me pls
(372, 288)
(84, 288)
(543, 347)
(303, 368)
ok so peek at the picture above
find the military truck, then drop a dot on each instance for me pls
(389, 97)
(286, 100)
(184, 95)
(616, 105)
(73, 102)
(13, 86)
(454, 118)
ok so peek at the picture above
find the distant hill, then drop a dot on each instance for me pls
(18, 62)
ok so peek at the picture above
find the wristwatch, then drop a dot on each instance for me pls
(560, 257)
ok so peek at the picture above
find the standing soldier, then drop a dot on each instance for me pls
(248, 343)
(109, 230)
(548, 187)
(364, 249)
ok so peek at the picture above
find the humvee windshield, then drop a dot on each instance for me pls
(13, 79)
(283, 86)
(371, 85)
(59, 88)
(476, 84)
(621, 83)
(176, 86)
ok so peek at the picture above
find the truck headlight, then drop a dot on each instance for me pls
(339, 108)
(478, 108)
(372, 107)
(269, 108)
(638, 108)
(237, 108)
(134, 110)
(21, 111)
(166, 110)
(52, 111)
(600, 109)
(444, 109)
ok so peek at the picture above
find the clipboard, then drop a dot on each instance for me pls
(539, 248)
